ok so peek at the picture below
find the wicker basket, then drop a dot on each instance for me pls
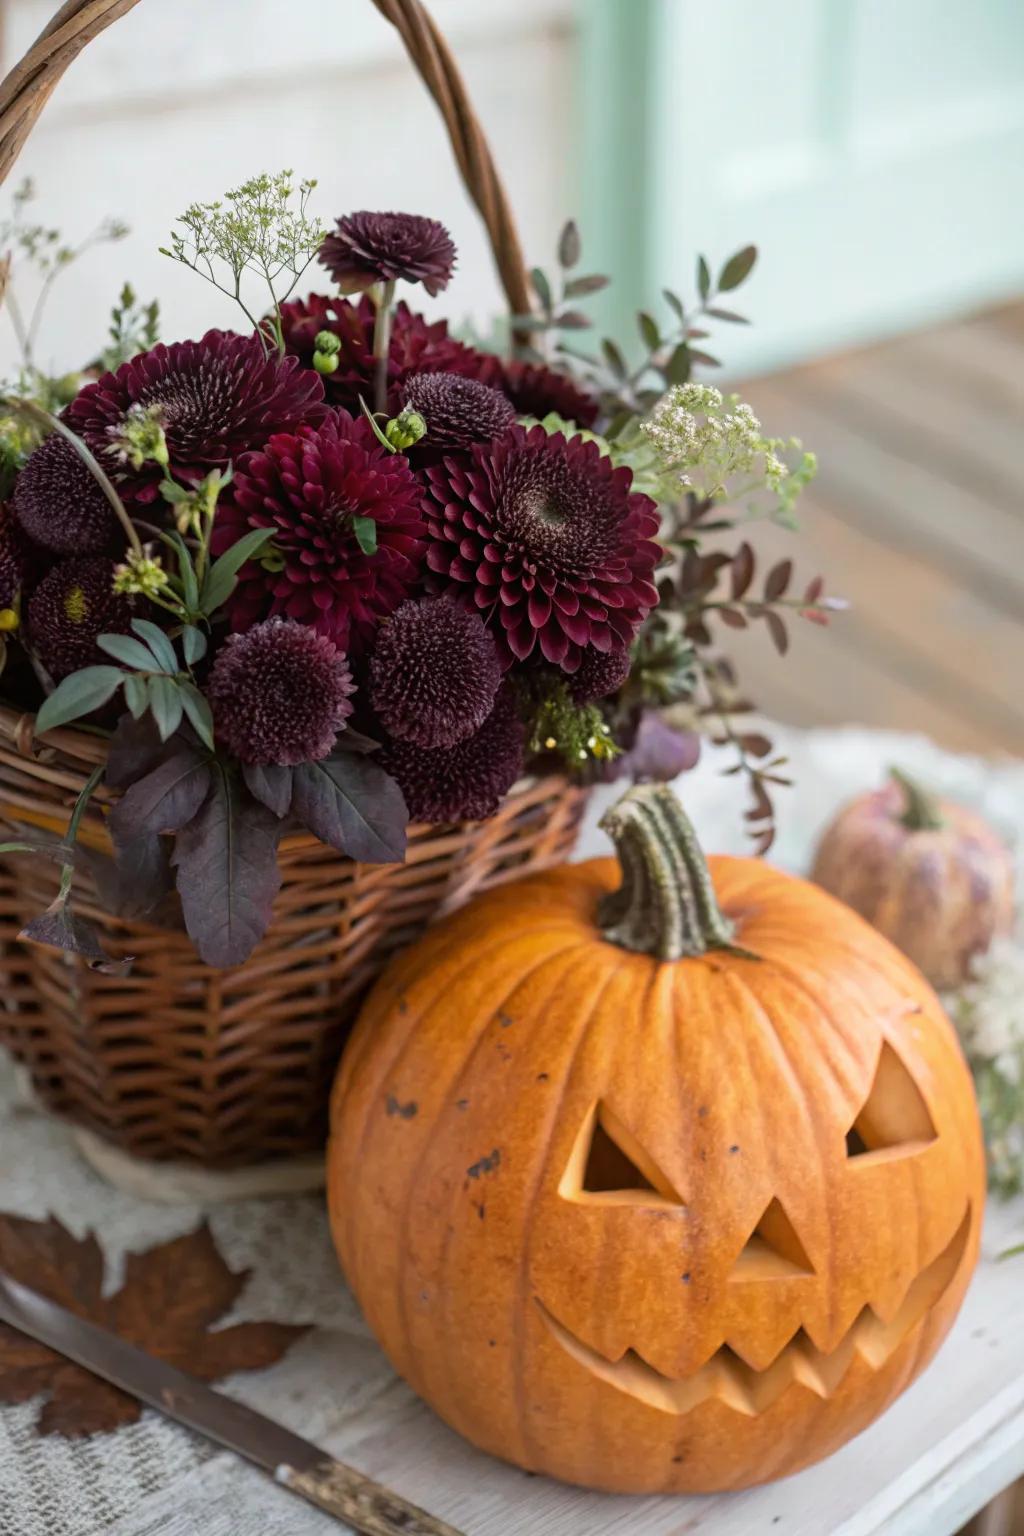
(175, 1060)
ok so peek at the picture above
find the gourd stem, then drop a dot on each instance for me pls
(921, 811)
(666, 905)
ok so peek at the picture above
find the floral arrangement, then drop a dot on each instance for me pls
(989, 1013)
(339, 568)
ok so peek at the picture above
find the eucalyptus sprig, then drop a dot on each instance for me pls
(256, 230)
(558, 295)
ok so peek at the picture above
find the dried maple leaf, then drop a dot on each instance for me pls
(171, 1296)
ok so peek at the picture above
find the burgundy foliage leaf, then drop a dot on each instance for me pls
(350, 803)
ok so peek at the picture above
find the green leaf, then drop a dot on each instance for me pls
(674, 303)
(222, 576)
(737, 269)
(165, 704)
(79, 695)
(198, 711)
(158, 643)
(542, 288)
(578, 287)
(569, 245)
(376, 427)
(189, 584)
(614, 358)
(136, 695)
(703, 278)
(193, 643)
(573, 320)
(129, 652)
(728, 314)
(365, 531)
(677, 369)
(649, 333)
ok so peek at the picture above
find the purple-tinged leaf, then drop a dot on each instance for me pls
(352, 804)
(660, 753)
(355, 741)
(677, 369)
(728, 314)
(137, 880)
(166, 798)
(777, 581)
(570, 247)
(778, 631)
(579, 287)
(733, 618)
(227, 873)
(271, 785)
(754, 744)
(59, 928)
(705, 358)
(135, 748)
(573, 320)
(742, 571)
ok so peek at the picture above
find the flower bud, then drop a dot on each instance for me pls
(405, 429)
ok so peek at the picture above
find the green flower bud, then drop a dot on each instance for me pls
(328, 343)
(324, 363)
(405, 429)
(142, 437)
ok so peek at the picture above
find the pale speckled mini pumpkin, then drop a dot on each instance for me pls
(672, 1221)
(930, 874)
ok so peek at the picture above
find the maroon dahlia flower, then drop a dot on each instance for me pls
(458, 411)
(71, 606)
(462, 783)
(545, 536)
(417, 346)
(368, 248)
(216, 397)
(308, 487)
(434, 672)
(535, 390)
(280, 694)
(59, 503)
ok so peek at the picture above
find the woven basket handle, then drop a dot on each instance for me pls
(26, 90)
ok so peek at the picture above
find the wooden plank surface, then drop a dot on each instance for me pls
(917, 516)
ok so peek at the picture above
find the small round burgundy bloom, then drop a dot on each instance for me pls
(71, 606)
(466, 782)
(536, 390)
(216, 397)
(280, 694)
(19, 559)
(58, 501)
(368, 248)
(309, 486)
(458, 411)
(544, 534)
(599, 674)
(417, 346)
(434, 672)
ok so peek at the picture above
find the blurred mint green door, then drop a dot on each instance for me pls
(873, 149)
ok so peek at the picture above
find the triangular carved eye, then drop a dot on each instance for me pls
(773, 1250)
(895, 1119)
(608, 1166)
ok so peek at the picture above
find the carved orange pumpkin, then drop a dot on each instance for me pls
(682, 1220)
(929, 874)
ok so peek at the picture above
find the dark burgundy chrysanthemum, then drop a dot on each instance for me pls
(280, 694)
(434, 672)
(417, 346)
(308, 486)
(468, 781)
(535, 390)
(71, 606)
(216, 397)
(368, 248)
(19, 560)
(599, 674)
(458, 411)
(545, 536)
(58, 501)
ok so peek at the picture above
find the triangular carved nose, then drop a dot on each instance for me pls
(773, 1250)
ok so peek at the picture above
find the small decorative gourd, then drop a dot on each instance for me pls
(931, 875)
(656, 1179)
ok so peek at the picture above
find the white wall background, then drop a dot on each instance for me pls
(182, 99)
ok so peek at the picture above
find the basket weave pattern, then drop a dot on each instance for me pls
(176, 1060)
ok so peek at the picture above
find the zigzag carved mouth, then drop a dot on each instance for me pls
(738, 1385)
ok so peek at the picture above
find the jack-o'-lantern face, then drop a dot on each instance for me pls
(657, 1226)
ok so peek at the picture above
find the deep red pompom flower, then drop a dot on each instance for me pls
(308, 486)
(368, 247)
(19, 559)
(466, 782)
(59, 503)
(434, 672)
(535, 390)
(280, 694)
(417, 346)
(73, 605)
(599, 674)
(546, 537)
(217, 398)
(458, 411)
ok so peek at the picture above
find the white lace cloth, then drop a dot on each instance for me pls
(154, 1479)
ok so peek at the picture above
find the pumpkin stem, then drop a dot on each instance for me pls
(666, 904)
(921, 811)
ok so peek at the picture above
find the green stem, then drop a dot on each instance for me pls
(921, 811)
(382, 346)
(67, 873)
(666, 905)
(44, 418)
